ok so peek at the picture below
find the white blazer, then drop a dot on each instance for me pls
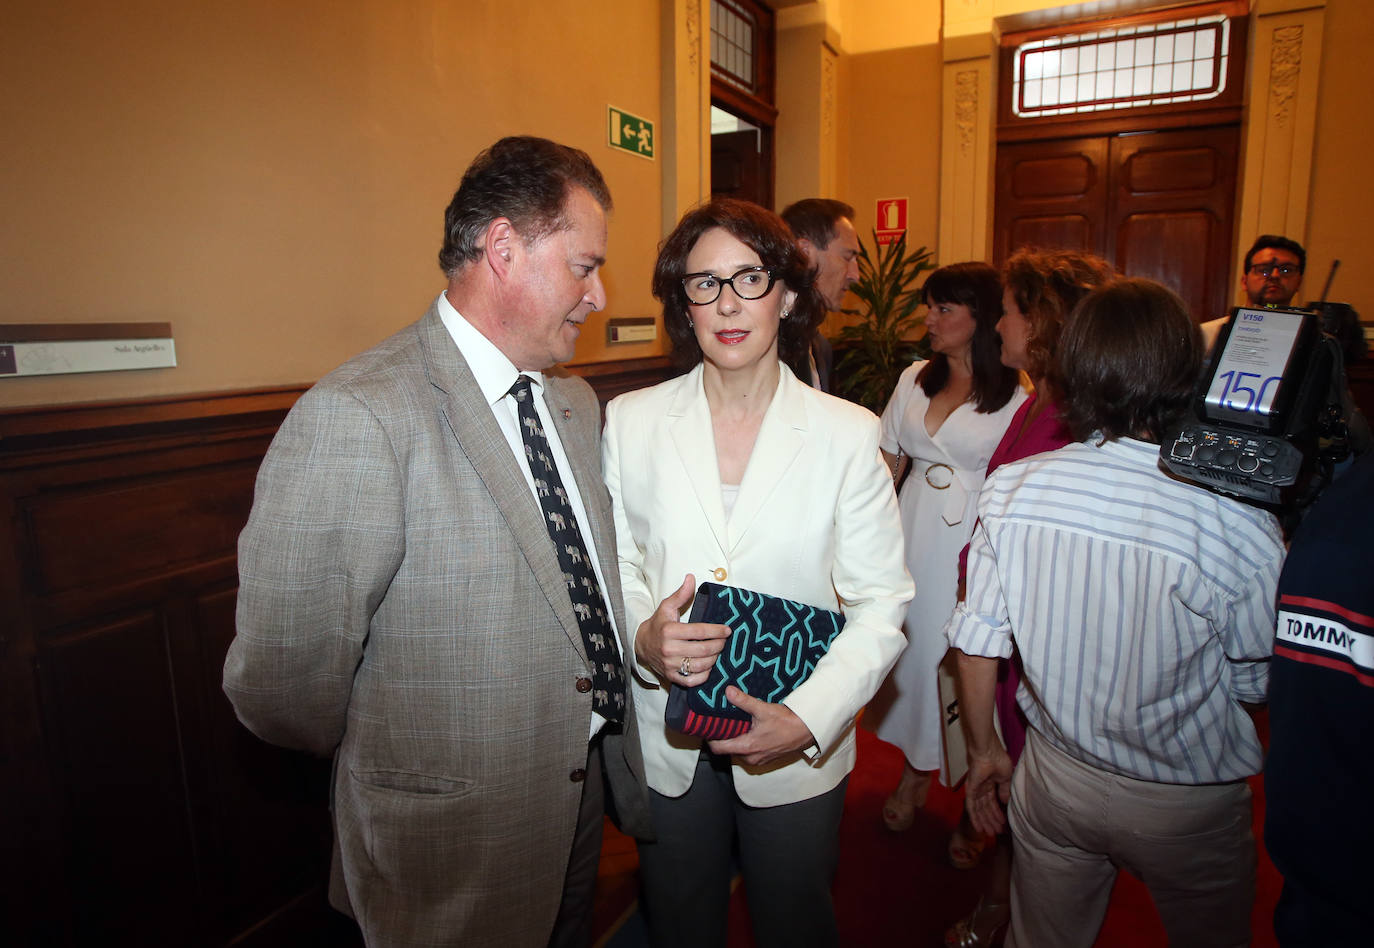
(815, 520)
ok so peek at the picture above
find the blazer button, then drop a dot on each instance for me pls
(584, 685)
(578, 775)
(719, 574)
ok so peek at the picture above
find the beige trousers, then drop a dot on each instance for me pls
(1074, 826)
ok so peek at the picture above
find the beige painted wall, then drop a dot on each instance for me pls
(890, 111)
(802, 143)
(872, 25)
(891, 135)
(271, 177)
(1341, 218)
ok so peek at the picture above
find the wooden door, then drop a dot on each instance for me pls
(738, 167)
(1051, 194)
(1171, 211)
(1156, 204)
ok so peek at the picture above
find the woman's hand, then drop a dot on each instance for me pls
(679, 652)
(776, 731)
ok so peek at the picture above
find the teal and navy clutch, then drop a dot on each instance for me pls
(773, 646)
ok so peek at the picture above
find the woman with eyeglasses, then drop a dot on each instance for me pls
(740, 474)
(942, 422)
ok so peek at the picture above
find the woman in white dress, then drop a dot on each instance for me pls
(943, 421)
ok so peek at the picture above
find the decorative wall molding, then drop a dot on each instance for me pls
(828, 95)
(693, 12)
(966, 109)
(1285, 71)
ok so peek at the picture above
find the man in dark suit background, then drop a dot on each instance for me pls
(824, 229)
(428, 582)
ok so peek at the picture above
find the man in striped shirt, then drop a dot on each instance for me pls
(1143, 611)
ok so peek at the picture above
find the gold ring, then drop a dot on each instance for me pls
(685, 668)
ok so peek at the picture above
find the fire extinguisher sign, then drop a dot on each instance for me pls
(891, 219)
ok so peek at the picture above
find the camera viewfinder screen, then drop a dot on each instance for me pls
(1250, 371)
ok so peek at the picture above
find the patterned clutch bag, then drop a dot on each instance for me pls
(773, 646)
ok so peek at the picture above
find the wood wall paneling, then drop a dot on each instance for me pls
(144, 813)
(139, 810)
(137, 529)
(116, 758)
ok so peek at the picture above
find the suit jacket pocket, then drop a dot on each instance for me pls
(420, 785)
(404, 831)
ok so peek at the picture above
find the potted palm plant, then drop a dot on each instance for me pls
(875, 350)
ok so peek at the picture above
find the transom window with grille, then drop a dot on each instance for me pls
(736, 35)
(742, 109)
(1122, 67)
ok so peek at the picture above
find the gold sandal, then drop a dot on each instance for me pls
(983, 927)
(899, 809)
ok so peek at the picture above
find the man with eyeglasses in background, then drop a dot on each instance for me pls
(1271, 277)
(1273, 271)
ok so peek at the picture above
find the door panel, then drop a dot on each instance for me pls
(111, 718)
(1156, 204)
(1172, 204)
(1051, 194)
(1172, 249)
(1064, 230)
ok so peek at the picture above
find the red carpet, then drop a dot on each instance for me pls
(895, 889)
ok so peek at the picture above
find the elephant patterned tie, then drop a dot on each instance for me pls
(608, 675)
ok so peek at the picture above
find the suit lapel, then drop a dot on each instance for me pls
(689, 426)
(482, 442)
(776, 449)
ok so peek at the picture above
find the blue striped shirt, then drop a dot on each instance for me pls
(1142, 607)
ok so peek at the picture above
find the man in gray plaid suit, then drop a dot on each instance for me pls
(401, 604)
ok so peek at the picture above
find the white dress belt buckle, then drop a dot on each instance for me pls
(939, 475)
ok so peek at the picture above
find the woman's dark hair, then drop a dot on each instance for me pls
(761, 231)
(1047, 285)
(1129, 358)
(976, 286)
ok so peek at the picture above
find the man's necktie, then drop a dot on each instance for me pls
(608, 674)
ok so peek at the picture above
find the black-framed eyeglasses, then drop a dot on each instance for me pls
(1282, 269)
(751, 283)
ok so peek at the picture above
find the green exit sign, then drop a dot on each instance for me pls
(629, 132)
